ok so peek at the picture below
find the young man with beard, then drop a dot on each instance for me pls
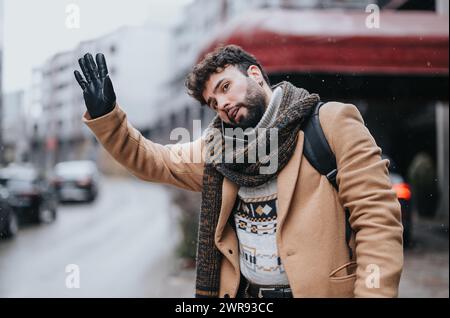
(278, 234)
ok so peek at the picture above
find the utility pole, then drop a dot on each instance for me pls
(1, 84)
(442, 118)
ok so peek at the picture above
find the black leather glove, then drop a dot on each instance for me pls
(98, 90)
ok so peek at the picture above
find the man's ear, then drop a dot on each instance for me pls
(254, 72)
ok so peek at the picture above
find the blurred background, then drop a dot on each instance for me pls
(75, 224)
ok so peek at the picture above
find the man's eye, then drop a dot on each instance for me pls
(226, 86)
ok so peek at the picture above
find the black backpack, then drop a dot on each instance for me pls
(318, 152)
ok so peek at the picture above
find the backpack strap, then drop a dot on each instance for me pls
(317, 150)
(319, 154)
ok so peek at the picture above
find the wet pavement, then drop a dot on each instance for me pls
(426, 267)
(123, 245)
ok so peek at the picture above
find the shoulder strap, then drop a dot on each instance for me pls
(319, 154)
(317, 150)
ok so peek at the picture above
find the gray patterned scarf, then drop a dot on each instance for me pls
(296, 105)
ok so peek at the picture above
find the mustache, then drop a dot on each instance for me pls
(238, 106)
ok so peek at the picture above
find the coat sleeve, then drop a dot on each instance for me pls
(180, 165)
(366, 190)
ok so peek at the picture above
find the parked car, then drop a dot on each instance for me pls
(403, 190)
(8, 218)
(31, 195)
(76, 180)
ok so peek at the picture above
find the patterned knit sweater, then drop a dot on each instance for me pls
(255, 216)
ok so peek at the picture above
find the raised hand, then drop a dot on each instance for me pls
(97, 87)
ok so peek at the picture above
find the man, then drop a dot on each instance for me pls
(277, 234)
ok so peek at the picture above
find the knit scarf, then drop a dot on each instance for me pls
(296, 105)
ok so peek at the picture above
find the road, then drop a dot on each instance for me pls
(122, 244)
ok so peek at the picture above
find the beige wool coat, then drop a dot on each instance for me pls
(311, 218)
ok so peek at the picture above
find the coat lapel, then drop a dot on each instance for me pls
(229, 193)
(287, 179)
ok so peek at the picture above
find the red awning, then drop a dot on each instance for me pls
(328, 41)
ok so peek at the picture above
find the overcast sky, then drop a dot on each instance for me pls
(35, 30)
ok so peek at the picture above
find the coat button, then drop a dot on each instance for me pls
(230, 251)
(211, 153)
(226, 296)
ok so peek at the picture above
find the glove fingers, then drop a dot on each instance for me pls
(89, 60)
(80, 80)
(85, 70)
(101, 63)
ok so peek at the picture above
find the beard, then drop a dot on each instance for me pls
(255, 103)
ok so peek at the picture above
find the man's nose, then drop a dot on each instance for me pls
(222, 104)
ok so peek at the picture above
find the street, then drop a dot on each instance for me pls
(123, 245)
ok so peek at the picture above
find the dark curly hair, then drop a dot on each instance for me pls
(215, 62)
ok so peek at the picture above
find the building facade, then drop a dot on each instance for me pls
(203, 20)
(137, 68)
